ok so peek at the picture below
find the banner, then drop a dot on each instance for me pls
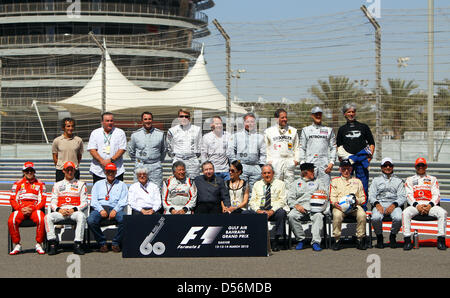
(198, 235)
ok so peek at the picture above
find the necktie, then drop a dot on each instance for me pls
(267, 204)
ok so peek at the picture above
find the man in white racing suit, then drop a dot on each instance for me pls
(69, 199)
(184, 143)
(318, 146)
(179, 192)
(282, 148)
(422, 194)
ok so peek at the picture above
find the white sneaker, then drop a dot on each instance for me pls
(17, 249)
(39, 249)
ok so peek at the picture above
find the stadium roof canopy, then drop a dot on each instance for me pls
(195, 91)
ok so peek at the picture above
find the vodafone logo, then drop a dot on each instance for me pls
(68, 199)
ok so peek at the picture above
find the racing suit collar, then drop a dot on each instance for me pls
(386, 176)
(186, 127)
(70, 181)
(148, 131)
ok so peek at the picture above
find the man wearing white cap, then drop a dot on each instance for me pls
(387, 195)
(422, 193)
(318, 146)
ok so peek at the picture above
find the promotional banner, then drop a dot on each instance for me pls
(199, 235)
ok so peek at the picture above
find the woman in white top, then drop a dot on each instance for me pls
(238, 190)
(144, 196)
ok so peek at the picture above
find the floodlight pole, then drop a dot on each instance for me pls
(430, 97)
(40, 120)
(102, 48)
(228, 52)
(378, 131)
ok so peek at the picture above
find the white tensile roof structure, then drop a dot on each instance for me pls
(195, 91)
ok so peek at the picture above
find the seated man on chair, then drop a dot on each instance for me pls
(387, 195)
(269, 197)
(69, 199)
(422, 193)
(342, 186)
(109, 198)
(299, 200)
(27, 199)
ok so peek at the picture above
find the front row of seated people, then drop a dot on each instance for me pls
(306, 199)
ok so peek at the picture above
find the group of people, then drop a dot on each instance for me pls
(244, 172)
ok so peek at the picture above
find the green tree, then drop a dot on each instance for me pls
(334, 93)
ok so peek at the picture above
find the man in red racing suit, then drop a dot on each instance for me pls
(27, 199)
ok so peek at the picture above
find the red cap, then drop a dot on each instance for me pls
(68, 164)
(27, 165)
(421, 160)
(110, 167)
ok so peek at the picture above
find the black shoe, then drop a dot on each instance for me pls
(337, 245)
(52, 248)
(441, 243)
(361, 244)
(379, 241)
(408, 244)
(393, 241)
(77, 249)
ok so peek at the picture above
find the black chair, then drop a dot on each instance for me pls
(307, 220)
(420, 217)
(27, 223)
(351, 219)
(386, 218)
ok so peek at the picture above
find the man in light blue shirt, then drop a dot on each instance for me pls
(109, 197)
(147, 148)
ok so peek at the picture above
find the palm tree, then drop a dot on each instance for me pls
(334, 93)
(400, 110)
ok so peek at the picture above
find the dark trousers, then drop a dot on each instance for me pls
(279, 217)
(208, 208)
(59, 175)
(96, 178)
(94, 222)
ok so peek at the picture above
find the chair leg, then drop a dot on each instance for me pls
(370, 232)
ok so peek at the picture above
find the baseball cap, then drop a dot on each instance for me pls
(27, 165)
(306, 166)
(68, 164)
(316, 109)
(345, 163)
(110, 167)
(421, 160)
(385, 160)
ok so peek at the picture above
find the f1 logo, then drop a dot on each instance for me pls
(208, 236)
(374, 8)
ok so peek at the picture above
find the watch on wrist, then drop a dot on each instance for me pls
(113, 160)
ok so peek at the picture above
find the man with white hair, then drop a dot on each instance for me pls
(318, 146)
(355, 142)
(144, 196)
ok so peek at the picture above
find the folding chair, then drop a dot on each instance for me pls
(27, 223)
(68, 224)
(307, 220)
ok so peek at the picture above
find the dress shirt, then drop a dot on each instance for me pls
(144, 196)
(118, 195)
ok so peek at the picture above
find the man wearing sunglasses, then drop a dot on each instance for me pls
(184, 143)
(422, 193)
(387, 195)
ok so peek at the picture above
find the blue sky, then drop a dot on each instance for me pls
(353, 55)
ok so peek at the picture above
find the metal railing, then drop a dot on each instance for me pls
(112, 41)
(108, 9)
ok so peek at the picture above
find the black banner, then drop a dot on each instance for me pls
(197, 235)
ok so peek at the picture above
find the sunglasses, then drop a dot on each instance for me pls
(29, 171)
(388, 165)
(184, 116)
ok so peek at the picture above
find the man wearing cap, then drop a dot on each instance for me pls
(340, 187)
(69, 200)
(318, 146)
(147, 148)
(184, 143)
(27, 199)
(282, 147)
(248, 147)
(67, 147)
(355, 142)
(387, 195)
(107, 144)
(299, 200)
(422, 193)
(109, 198)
